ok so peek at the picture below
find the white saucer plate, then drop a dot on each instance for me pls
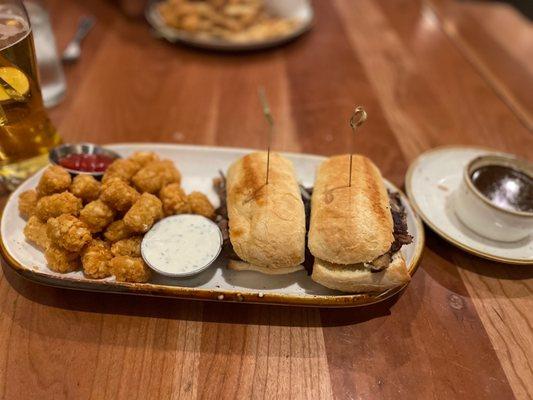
(431, 182)
(299, 10)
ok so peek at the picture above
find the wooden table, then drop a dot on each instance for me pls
(429, 73)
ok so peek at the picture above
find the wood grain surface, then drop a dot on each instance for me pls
(429, 73)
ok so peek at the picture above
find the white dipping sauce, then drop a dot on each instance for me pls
(181, 245)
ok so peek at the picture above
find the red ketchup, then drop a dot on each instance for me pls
(86, 162)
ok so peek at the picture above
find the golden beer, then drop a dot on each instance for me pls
(26, 133)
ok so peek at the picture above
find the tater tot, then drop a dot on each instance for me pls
(156, 174)
(129, 269)
(201, 205)
(55, 179)
(143, 157)
(144, 213)
(127, 247)
(118, 195)
(174, 200)
(97, 215)
(95, 259)
(85, 187)
(35, 232)
(57, 204)
(68, 232)
(117, 231)
(121, 168)
(27, 203)
(61, 260)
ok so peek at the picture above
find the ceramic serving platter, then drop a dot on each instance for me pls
(431, 183)
(199, 165)
(299, 10)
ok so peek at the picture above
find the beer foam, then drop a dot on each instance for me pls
(13, 29)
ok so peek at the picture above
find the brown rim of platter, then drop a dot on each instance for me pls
(241, 296)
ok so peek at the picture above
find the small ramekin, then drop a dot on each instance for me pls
(484, 217)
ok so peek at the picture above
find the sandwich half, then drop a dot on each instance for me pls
(353, 236)
(266, 221)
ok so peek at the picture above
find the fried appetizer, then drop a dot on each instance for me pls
(118, 195)
(61, 260)
(95, 259)
(117, 231)
(129, 269)
(127, 247)
(55, 179)
(174, 200)
(156, 174)
(27, 203)
(68, 232)
(121, 168)
(85, 187)
(57, 204)
(97, 215)
(201, 205)
(144, 213)
(35, 232)
(143, 157)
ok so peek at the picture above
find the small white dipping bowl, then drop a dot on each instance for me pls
(182, 245)
(483, 216)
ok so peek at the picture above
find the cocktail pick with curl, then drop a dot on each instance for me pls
(270, 121)
(356, 120)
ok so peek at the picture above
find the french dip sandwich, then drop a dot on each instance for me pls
(356, 232)
(266, 221)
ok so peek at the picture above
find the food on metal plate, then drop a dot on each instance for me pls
(82, 224)
(85, 187)
(86, 162)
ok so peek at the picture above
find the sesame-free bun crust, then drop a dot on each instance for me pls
(266, 222)
(357, 278)
(244, 266)
(349, 225)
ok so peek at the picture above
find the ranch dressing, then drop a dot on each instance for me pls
(181, 245)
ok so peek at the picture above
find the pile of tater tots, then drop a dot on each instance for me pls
(98, 226)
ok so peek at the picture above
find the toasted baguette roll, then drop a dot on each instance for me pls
(266, 222)
(357, 278)
(349, 225)
(244, 266)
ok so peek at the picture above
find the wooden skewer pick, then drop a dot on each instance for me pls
(270, 121)
(356, 120)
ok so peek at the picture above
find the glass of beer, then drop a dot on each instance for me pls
(26, 133)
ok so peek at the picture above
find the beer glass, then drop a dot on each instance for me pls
(26, 133)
